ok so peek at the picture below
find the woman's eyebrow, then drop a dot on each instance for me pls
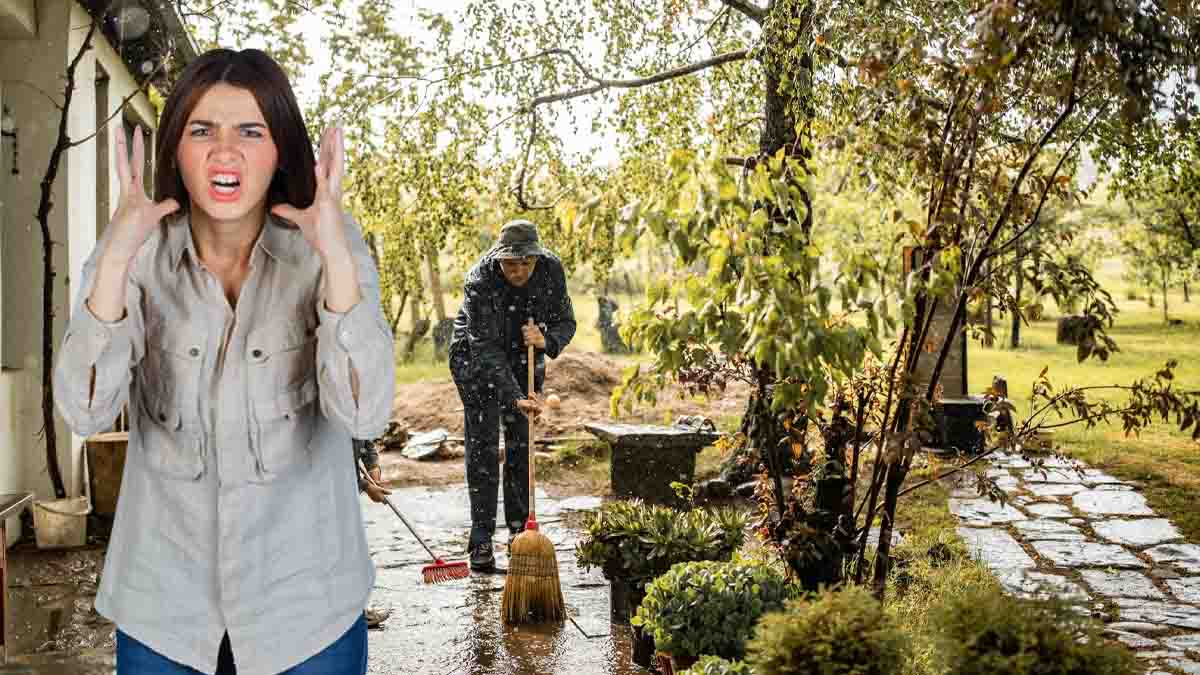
(242, 125)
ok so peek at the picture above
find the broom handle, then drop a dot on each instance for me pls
(366, 474)
(532, 484)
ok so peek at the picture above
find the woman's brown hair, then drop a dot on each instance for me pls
(294, 181)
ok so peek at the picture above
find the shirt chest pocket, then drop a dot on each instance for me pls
(168, 399)
(283, 393)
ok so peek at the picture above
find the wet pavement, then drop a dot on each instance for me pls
(439, 629)
(456, 627)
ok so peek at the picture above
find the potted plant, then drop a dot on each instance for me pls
(708, 608)
(632, 542)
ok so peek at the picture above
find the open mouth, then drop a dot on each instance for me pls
(226, 183)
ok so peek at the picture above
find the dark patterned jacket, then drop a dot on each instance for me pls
(483, 344)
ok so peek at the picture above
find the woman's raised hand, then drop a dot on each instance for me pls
(321, 223)
(137, 214)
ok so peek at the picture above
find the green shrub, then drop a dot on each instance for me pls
(715, 665)
(842, 632)
(637, 542)
(709, 608)
(997, 634)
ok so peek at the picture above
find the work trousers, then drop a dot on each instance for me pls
(483, 416)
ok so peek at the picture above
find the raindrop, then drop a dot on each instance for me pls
(132, 21)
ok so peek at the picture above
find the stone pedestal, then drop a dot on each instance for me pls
(646, 459)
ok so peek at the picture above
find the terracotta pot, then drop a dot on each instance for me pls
(669, 664)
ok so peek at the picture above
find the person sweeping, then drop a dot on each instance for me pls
(516, 312)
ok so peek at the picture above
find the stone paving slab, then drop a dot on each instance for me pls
(1049, 530)
(1087, 554)
(1150, 611)
(1121, 584)
(983, 511)
(1028, 583)
(1112, 502)
(1051, 510)
(996, 548)
(1186, 556)
(1139, 533)
(1054, 489)
(1093, 534)
(1187, 590)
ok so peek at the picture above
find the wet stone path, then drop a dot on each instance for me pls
(455, 627)
(1083, 535)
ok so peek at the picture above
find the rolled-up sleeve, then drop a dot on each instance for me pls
(354, 352)
(96, 360)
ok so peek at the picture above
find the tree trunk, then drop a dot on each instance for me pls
(394, 317)
(989, 318)
(435, 285)
(1166, 319)
(45, 205)
(787, 111)
(419, 328)
(1019, 282)
(1187, 296)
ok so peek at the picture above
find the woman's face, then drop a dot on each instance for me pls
(226, 156)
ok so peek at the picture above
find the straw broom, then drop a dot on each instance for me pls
(532, 592)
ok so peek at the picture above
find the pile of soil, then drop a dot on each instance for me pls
(584, 382)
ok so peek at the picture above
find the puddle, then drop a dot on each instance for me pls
(437, 629)
(51, 594)
(456, 627)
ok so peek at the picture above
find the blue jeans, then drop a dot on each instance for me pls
(346, 656)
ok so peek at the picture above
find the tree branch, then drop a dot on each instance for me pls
(751, 10)
(1046, 189)
(602, 84)
(124, 102)
(1001, 220)
(519, 191)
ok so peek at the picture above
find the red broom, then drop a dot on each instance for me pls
(440, 570)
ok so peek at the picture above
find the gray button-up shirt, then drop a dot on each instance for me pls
(239, 507)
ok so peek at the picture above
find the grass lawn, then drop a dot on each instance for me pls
(1164, 461)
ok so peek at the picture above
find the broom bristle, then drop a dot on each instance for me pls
(436, 574)
(532, 592)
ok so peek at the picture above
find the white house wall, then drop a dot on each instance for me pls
(41, 63)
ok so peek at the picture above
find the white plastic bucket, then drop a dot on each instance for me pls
(61, 523)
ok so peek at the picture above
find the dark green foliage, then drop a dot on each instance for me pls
(834, 633)
(637, 542)
(988, 633)
(709, 608)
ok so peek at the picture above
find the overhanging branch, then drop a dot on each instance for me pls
(751, 10)
(602, 84)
